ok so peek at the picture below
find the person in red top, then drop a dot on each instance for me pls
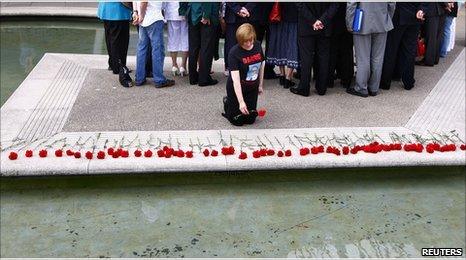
(245, 82)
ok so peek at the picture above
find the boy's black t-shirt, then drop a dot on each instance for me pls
(248, 63)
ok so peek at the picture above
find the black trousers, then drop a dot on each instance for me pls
(201, 46)
(400, 54)
(341, 58)
(434, 27)
(311, 48)
(117, 40)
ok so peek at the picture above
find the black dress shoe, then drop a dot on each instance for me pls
(209, 83)
(167, 83)
(352, 91)
(281, 80)
(384, 86)
(406, 86)
(372, 94)
(288, 84)
(299, 91)
(345, 84)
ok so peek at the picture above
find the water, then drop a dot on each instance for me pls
(323, 213)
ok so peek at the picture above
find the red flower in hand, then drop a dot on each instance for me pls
(101, 155)
(13, 156)
(205, 152)
(243, 156)
(137, 153)
(261, 112)
(29, 153)
(89, 155)
(43, 153)
(148, 153)
(189, 154)
(69, 152)
(58, 153)
(77, 155)
(214, 153)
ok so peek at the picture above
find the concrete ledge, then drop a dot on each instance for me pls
(88, 12)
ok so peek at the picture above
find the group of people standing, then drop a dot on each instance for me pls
(308, 40)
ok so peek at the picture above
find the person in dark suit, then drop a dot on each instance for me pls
(341, 50)
(435, 21)
(314, 31)
(238, 13)
(401, 43)
(203, 19)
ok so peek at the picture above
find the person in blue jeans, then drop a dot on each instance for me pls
(150, 19)
(452, 12)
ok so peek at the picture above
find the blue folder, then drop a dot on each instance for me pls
(357, 22)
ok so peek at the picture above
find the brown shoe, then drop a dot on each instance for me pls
(167, 83)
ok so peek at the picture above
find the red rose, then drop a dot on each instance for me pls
(288, 153)
(225, 150)
(43, 153)
(304, 151)
(124, 153)
(110, 151)
(214, 153)
(160, 153)
(58, 153)
(28, 153)
(256, 154)
(243, 156)
(115, 154)
(13, 156)
(101, 155)
(148, 153)
(77, 155)
(168, 154)
(261, 112)
(137, 153)
(463, 147)
(263, 152)
(430, 149)
(206, 152)
(231, 150)
(69, 152)
(165, 148)
(189, 154)
(180, 153)
(345, 150)
(270, 152)
(280, 154)
(89, 155)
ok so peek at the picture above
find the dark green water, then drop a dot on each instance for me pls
(325, 213)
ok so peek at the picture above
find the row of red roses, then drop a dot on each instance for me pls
(168, 152)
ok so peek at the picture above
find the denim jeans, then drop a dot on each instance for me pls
(446, 36)
(151, 35)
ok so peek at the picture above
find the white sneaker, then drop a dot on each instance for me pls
(175, 71)
(183, 72)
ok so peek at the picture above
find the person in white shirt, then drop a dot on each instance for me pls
(177, 36)
(148, 15)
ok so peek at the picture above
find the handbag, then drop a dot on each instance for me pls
(275, 15)
(421, 47)
(357, 22)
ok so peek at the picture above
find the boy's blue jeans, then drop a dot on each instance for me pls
(446, 36)
(151, 35)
